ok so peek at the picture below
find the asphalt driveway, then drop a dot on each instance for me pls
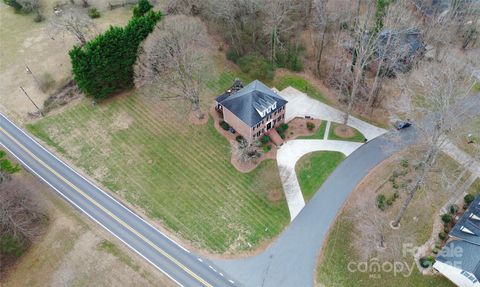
(291, 259)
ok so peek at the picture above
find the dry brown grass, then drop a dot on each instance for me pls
(69, 252)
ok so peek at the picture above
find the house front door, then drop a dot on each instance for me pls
(269, 126)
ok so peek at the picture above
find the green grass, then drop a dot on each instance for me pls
(476, 87)
(319, 133)
(41, 134)
(314, 168)
(110, 248)
(300, 84)
(357, 137)
(475, 187)
(338, 253)
(11, 246)
(177, 172)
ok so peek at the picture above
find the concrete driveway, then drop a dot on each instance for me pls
(290, 153)
(301, 105)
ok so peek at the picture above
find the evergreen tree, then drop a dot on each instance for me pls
(142, 8)
(104, 66)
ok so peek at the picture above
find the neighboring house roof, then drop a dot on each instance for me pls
(464, 252)
(399, 46)
(432, 7)
(252, 103)
(467, 227)
(462, 255)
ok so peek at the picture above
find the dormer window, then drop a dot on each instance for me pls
(466, 230)
(474, 216)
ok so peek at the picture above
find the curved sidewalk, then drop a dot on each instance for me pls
(290, 153)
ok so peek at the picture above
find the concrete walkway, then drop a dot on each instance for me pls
(290, 153)
(462, 158)
(327, 130)
(301, 105)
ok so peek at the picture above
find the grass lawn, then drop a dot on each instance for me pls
(314, 168)
(345, 241)
(300, 84)
(319, 133)
(338, 253)
(475, 188)
(146, 151)
(357, 137)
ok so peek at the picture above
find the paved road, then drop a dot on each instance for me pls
(183, 267)
(291, 259)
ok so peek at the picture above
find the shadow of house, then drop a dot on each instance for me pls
(459, 260)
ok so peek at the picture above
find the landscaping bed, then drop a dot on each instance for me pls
(264, 151)
(346, 133)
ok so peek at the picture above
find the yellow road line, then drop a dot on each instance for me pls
(191, 273)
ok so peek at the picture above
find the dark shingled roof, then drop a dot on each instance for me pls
(466, 233)
(401, 46)
(462, 255)
(469, 223)
(246, 103)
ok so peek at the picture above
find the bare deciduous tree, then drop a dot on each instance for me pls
(174, 58)
(363, 48)
(400, 25)
(278, 21)
(319, 24)
(75, 22)
(20, 215)
(245, 152)
(443, 102)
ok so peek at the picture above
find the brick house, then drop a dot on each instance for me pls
(252, 110)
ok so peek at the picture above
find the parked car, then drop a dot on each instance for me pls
(399, 125)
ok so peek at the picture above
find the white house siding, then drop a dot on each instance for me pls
(454, 275)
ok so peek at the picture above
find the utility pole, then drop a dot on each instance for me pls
(39, 110)
(33, 76)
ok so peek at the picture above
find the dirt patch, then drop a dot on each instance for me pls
(192, 118)
(344, 131)
(275, 195)
(121, 121)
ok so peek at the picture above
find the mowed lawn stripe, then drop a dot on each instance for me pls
(235, 201)
(209, 158)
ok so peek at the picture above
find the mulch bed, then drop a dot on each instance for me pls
(298, 127)
(344, 131)
(243, 167)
